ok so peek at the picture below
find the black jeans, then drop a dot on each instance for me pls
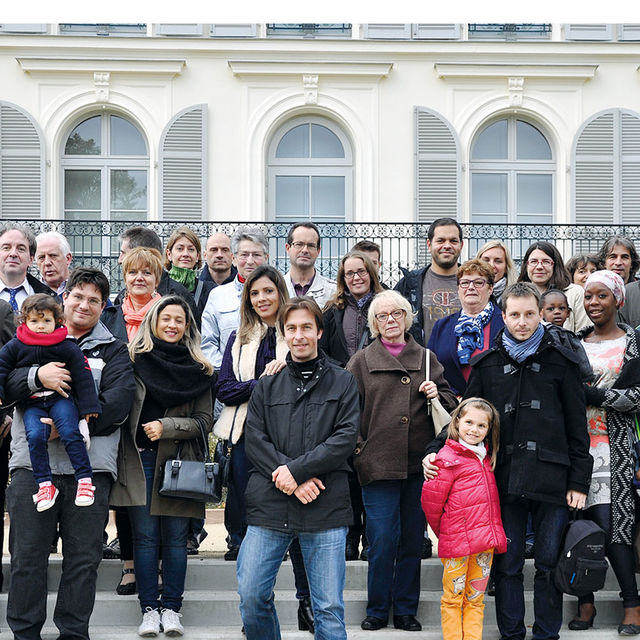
(30, 538)
(620, 556)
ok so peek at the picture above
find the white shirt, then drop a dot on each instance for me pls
(21, 296)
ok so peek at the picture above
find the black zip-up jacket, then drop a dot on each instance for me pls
(544, 444)
(410, 286)
(312, 427)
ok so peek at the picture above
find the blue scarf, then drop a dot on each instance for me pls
(520, 350)
(470, 332)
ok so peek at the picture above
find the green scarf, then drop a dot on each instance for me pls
(186, 277)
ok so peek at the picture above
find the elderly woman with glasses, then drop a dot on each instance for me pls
(543, 266)
(472, 330)
(388, 458)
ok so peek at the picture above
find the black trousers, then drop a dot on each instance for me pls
(30, 536)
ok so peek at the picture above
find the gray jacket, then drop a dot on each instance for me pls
(321, 290)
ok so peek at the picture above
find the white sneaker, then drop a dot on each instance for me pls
(150, 625)
(171, 623)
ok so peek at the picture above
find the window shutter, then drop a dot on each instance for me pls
(179, 29)
(387, 31)
(23, 28)
(630, 174)
(248, 30)
(437, 167)
(183, 152)
(629, 32)
(21, 165)
(588, 31)
(436, 31)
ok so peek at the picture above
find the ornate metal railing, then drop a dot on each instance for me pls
(403, 244)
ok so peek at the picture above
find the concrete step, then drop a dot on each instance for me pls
(215, 573)
(291, 633)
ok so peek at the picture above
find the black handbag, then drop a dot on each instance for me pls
(191, 479)
(222, 455)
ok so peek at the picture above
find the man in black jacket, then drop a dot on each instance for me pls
(544, 464)
(301, 427)
(81, 530)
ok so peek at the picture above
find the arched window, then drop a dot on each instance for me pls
(512, 174)
(310, 172)
(105, 165)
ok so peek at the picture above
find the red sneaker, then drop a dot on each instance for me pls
(84, 494)
(45, 498)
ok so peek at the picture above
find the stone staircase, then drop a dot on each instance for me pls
(210, 607)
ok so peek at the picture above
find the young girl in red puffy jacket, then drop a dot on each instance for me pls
(463, 509)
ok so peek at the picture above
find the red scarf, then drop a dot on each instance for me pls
(26, 336)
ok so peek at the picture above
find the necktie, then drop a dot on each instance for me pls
(12, 297)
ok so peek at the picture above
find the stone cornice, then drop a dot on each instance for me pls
(56, 64)
(375, 70)
(567, 71)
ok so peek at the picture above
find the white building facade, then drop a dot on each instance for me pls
(348, 122)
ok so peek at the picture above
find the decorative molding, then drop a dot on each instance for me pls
(310, 86)
(374, 70)
(101, 81)
(516, 91)
(56, 64)
(452, 70)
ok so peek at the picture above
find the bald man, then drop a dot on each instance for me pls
(218, 257)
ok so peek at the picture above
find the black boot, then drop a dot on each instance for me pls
(305, 615)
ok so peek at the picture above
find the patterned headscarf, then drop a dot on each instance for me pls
(610, 280)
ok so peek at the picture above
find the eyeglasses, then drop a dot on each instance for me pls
(361, 273)
(396, 314)
(256, 255)
(477, 284)
(301, 245)
(545, 262)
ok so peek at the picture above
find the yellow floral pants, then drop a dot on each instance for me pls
(464, 581)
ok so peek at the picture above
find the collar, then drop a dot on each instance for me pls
(411, 358)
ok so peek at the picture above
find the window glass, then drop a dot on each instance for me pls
(292, 196)
(489, 192)
(492, 142)
(325, 143)
(128, 192)
(126, 140)
(530, 143)
(295, 143)
(327, 196)
(82, 190)
(85, 139)
(534, 193)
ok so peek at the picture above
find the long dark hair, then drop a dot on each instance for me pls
(559, 277)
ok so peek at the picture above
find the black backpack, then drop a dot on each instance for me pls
(582, 566)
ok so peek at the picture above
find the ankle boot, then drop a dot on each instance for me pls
(305, 615)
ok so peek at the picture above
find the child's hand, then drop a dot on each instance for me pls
(90, 415)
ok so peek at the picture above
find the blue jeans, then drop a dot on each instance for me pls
(149, 534)
(64, 414)
(395, 529)
(260, 558)
(549, 521)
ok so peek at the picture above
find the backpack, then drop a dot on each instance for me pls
(582, 567)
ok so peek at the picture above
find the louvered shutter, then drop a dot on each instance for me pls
(239, 30)
(183, 150)
(588, 31)
(190, 29)
(436, 31)
(629, 32)
(387, 31)
(606, 185)
(437, 167)
(23, 28)
(21, 165)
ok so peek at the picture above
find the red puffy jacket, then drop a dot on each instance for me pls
(462, 504)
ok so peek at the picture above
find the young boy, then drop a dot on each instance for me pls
(40, 339)
(554, 307)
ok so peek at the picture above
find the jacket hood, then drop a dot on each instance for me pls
(99, 335)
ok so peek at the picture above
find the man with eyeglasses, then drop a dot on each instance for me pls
(303, 279)
(433, 290)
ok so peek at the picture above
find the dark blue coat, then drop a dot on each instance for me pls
(444, 343)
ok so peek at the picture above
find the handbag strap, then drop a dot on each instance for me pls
(427, 368)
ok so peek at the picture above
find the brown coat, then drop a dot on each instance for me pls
(395, 427)
(179, 424)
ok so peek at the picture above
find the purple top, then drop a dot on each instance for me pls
(394, 348)
(230, 390)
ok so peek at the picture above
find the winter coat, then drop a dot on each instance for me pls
(410, 286)
(333, 341)
(622, 404)
(395, 427)
(321, 289)
(444, 343)
(461, 504)
(180, 424)
(311, 426)
(544, 445)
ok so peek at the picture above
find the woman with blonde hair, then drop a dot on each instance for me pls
(496, 253)
(171, 414)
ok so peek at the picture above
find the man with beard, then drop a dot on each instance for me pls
(433, 290)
